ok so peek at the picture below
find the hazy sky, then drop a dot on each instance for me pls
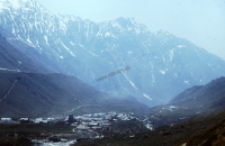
(200, 21)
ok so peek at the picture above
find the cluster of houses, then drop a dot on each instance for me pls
(10, 121)
(99, 121)
(6, 120)
(94, 121)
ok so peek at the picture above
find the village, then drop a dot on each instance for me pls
(83, 127)
(96, 121)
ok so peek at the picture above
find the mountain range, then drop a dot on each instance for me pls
(161, 65)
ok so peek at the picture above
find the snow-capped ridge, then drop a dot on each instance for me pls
(20, 4)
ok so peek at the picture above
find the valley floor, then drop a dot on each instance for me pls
(208, 130)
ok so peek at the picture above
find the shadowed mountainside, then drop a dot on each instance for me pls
(195, 102)
(33, 95)
(13, 60)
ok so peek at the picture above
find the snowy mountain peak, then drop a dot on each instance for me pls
(124, 26)
(16, 4)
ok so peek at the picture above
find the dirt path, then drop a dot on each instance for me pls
(74, 109)
(13, 84)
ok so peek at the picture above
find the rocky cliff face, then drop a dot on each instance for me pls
(160, 64)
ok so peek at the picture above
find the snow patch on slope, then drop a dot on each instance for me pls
(13, 30)
(6, 69)
(67, 49)
(181, 46)
(138, 31)
(175, 74)
(144, 45)
(72, 43)
(109, 35)
(98, 34)
(163, 58)
(132, 84)
(186, 82)
(81, 46)
(163, 72)
(153, 78)
(14, 3)
(46, 40)
(147, 96)
(92, 53)
(130, 52)
(62, 25)
(116, 24)
(171, 54)
(3, 5)
(29, 41)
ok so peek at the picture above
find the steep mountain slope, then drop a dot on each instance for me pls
(194, 102)
(213, 136)
(161, 65)
(211, 94)
(33, 95)
(13, 60)
(189, 92)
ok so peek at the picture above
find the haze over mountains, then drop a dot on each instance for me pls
(161, 65)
